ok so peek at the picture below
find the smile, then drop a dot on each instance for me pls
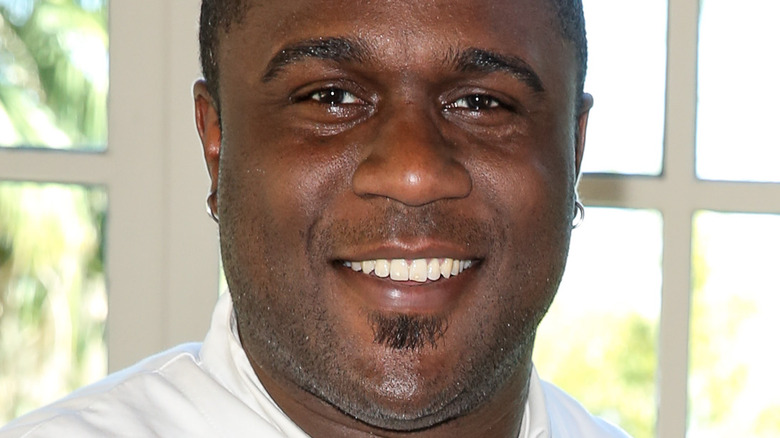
(419, 270)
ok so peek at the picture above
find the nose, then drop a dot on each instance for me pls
(411, 162)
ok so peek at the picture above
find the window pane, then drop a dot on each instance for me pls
(627, 77)
(52, 292)
(599, 340)
(734, 362)
(738, 91)
(53, 74)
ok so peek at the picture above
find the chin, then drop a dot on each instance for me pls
(401, 417)
(403, 403)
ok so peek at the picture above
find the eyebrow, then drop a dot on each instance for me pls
(334, 49)
(473, 60)
(470, 60)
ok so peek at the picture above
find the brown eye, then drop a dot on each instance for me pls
(333, 96)
(476, 102)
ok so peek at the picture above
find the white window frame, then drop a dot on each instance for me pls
(678, 194)
(162, 252)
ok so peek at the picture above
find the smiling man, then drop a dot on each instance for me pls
(394, 183)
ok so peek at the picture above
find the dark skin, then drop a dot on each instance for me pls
(394, 130)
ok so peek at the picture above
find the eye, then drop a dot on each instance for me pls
(476, 102)
(334, 96)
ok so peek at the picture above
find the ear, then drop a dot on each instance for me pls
(210, 132)
(582, 124)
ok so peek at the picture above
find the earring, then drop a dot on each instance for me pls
(210, 210)
(579, 214)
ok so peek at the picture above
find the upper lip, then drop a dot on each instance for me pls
(408, 249)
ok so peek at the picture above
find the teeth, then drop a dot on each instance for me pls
(418, 270)
(399, 271)
(446, 268)
(382, 268)
(434, 270)
(368, 266)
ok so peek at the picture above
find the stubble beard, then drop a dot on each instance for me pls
(302, 344)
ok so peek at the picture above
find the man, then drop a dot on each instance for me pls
(394, 183)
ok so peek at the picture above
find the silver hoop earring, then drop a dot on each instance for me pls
(210, 211)
(579, 214)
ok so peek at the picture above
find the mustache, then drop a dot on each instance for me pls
(398, 222)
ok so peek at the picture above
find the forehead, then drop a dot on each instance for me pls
(407, 34)
(406, 15)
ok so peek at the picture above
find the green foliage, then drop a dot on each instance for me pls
(53, 77)
(733, 368)
(53, 87)
(52, 305)
(606, 362)
(768, 423)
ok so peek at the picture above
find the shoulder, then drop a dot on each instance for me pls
(569, 419)
(122, 404)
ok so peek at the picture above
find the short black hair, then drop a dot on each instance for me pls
(217, 16)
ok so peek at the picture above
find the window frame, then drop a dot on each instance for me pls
(677, 193)
(162, 257)
(162, 249)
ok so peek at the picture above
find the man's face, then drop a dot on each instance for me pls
(394, 137)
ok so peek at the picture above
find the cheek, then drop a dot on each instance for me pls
(275, 186)
(527, 188)
(532, 194)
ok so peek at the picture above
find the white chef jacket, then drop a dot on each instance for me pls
(210, 390)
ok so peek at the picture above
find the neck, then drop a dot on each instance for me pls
(499, 417)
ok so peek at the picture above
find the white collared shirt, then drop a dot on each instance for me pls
(211, 390)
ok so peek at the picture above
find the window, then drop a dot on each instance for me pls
(627, 77)
(735, 139)
(53, 88)
(600, 339)
(715, 209)
(54, 70)
(53, 305)
(733, 309)
(143, 189)
(670, 172)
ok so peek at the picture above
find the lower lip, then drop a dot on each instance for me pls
(385, 294)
